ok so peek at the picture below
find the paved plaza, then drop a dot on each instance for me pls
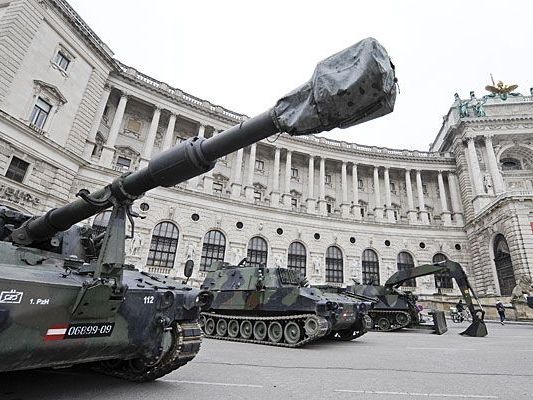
(402, 365)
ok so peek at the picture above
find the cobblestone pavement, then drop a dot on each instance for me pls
(401, 365)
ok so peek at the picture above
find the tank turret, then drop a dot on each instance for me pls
(68, 297)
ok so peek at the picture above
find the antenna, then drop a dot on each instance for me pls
(492, 79)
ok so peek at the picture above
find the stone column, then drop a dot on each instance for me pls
(477, 184)
(201, 131)
(150, 139)
(249, 188)
(497, 180)
(169, 134)
(236, 185)
(322, 208)
(345, 207)
(456, 200)
(421, 202)
(378, 209)
(274, 194)
(388, 202)
(446, 217)
(411, 212)
(287, 190)
(311, 203)
(91, 138)
(356, 210)
(108, 152)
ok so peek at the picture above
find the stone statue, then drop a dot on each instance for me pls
(191, 250)
(462, 106)
(523, 287)
(316, 265)
(479, 111)
(136, 243)
(237, 255)
(278, 260)
(487, 184)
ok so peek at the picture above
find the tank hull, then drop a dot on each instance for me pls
(43, 324)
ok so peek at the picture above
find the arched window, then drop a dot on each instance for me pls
(334, 265)
(504, 265)
(163, 245)
(213, 249)
(405, 261)
(257, 252)
(100, 222)
(370, 267)
(509, 164)
(297, 258)
(443, 280)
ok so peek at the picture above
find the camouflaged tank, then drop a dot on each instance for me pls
(274, 306)
(68, 297)
(394, 310)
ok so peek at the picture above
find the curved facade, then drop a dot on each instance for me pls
(73, 117)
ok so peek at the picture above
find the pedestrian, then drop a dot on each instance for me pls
(501, 311)
(461, 310)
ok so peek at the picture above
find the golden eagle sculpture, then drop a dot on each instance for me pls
(500, 88)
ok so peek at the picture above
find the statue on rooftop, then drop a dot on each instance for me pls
(462, 106)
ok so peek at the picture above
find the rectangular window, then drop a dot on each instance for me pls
(17, 169)
(327, 179)
(217, 187)
(294, 172)
(294, 202)
(123, 163)
(259, 165)
(40, 113)
(257, 196)
(329, 208)
(61, 60)
(392, 187)
(362, 209)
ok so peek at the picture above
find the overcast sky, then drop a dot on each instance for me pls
(244, 55)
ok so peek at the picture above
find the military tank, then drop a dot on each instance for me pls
(274, 306)
(68, 297)
(394, 310)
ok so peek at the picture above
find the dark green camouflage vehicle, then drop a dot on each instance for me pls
(274, 306)
(67, 296)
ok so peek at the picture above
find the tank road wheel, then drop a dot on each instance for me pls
(311, 326)
(209, 327)
(246, 329)
(384, 324)
(275, 332)
(292, 332)
(403, 319)
(201, 322)
(260, 330)
(222, 327)
(233, 328)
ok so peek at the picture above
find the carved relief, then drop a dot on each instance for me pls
(18, 196)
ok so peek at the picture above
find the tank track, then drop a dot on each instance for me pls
(391, 316)
(322, 328)
(186, 341)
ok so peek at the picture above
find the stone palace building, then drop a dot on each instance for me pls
(72, 117)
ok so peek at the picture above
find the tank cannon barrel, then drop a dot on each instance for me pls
(353, 86)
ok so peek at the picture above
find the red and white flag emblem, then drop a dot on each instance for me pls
(56, 332)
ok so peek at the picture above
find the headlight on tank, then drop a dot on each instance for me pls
(332, 305)
(363, 308)
(204, 300)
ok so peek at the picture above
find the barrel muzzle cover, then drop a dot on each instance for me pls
(355, 85)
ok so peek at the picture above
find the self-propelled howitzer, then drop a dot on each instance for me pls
(67, 297)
